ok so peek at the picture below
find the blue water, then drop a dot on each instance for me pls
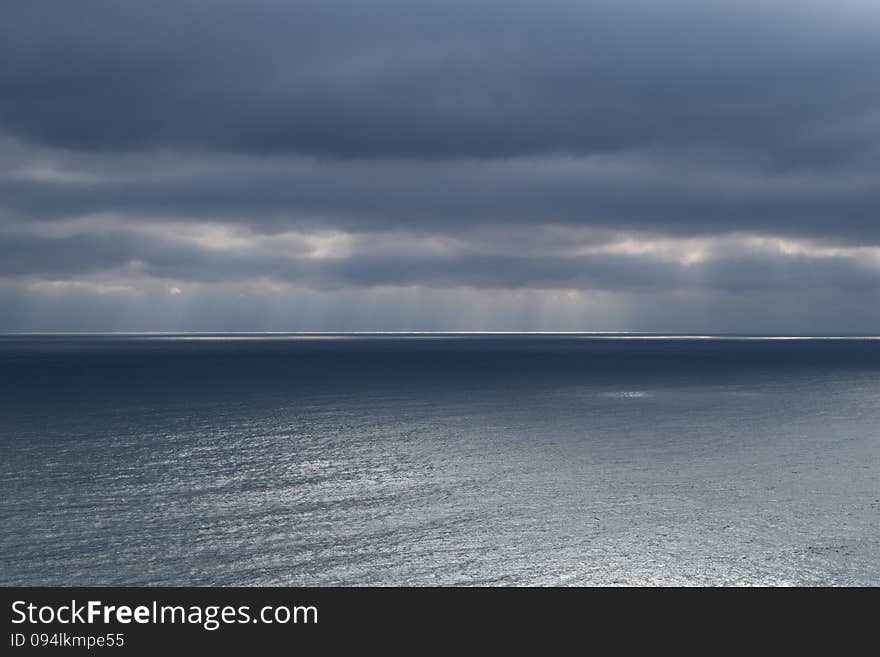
(500, 460)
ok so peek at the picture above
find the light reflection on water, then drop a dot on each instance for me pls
(471, 460)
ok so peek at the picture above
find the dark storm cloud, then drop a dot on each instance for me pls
(793, 83)
(635, 193)
(475, 148)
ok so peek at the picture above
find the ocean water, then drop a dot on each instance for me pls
(438, 459)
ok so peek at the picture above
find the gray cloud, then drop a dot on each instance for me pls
(637, 191)
(722, 157)
(789, 82)
(386, 260)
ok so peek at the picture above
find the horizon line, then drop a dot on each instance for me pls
(596, 334)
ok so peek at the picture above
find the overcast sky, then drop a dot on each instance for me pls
(665, 165)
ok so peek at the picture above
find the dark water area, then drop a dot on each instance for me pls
(438, 459)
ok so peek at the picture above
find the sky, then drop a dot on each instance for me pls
(664, 165)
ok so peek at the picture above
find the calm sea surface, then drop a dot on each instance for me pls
(495, 460)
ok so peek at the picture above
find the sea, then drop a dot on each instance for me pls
(439, 459)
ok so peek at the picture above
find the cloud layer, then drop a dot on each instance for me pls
(489, 165)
